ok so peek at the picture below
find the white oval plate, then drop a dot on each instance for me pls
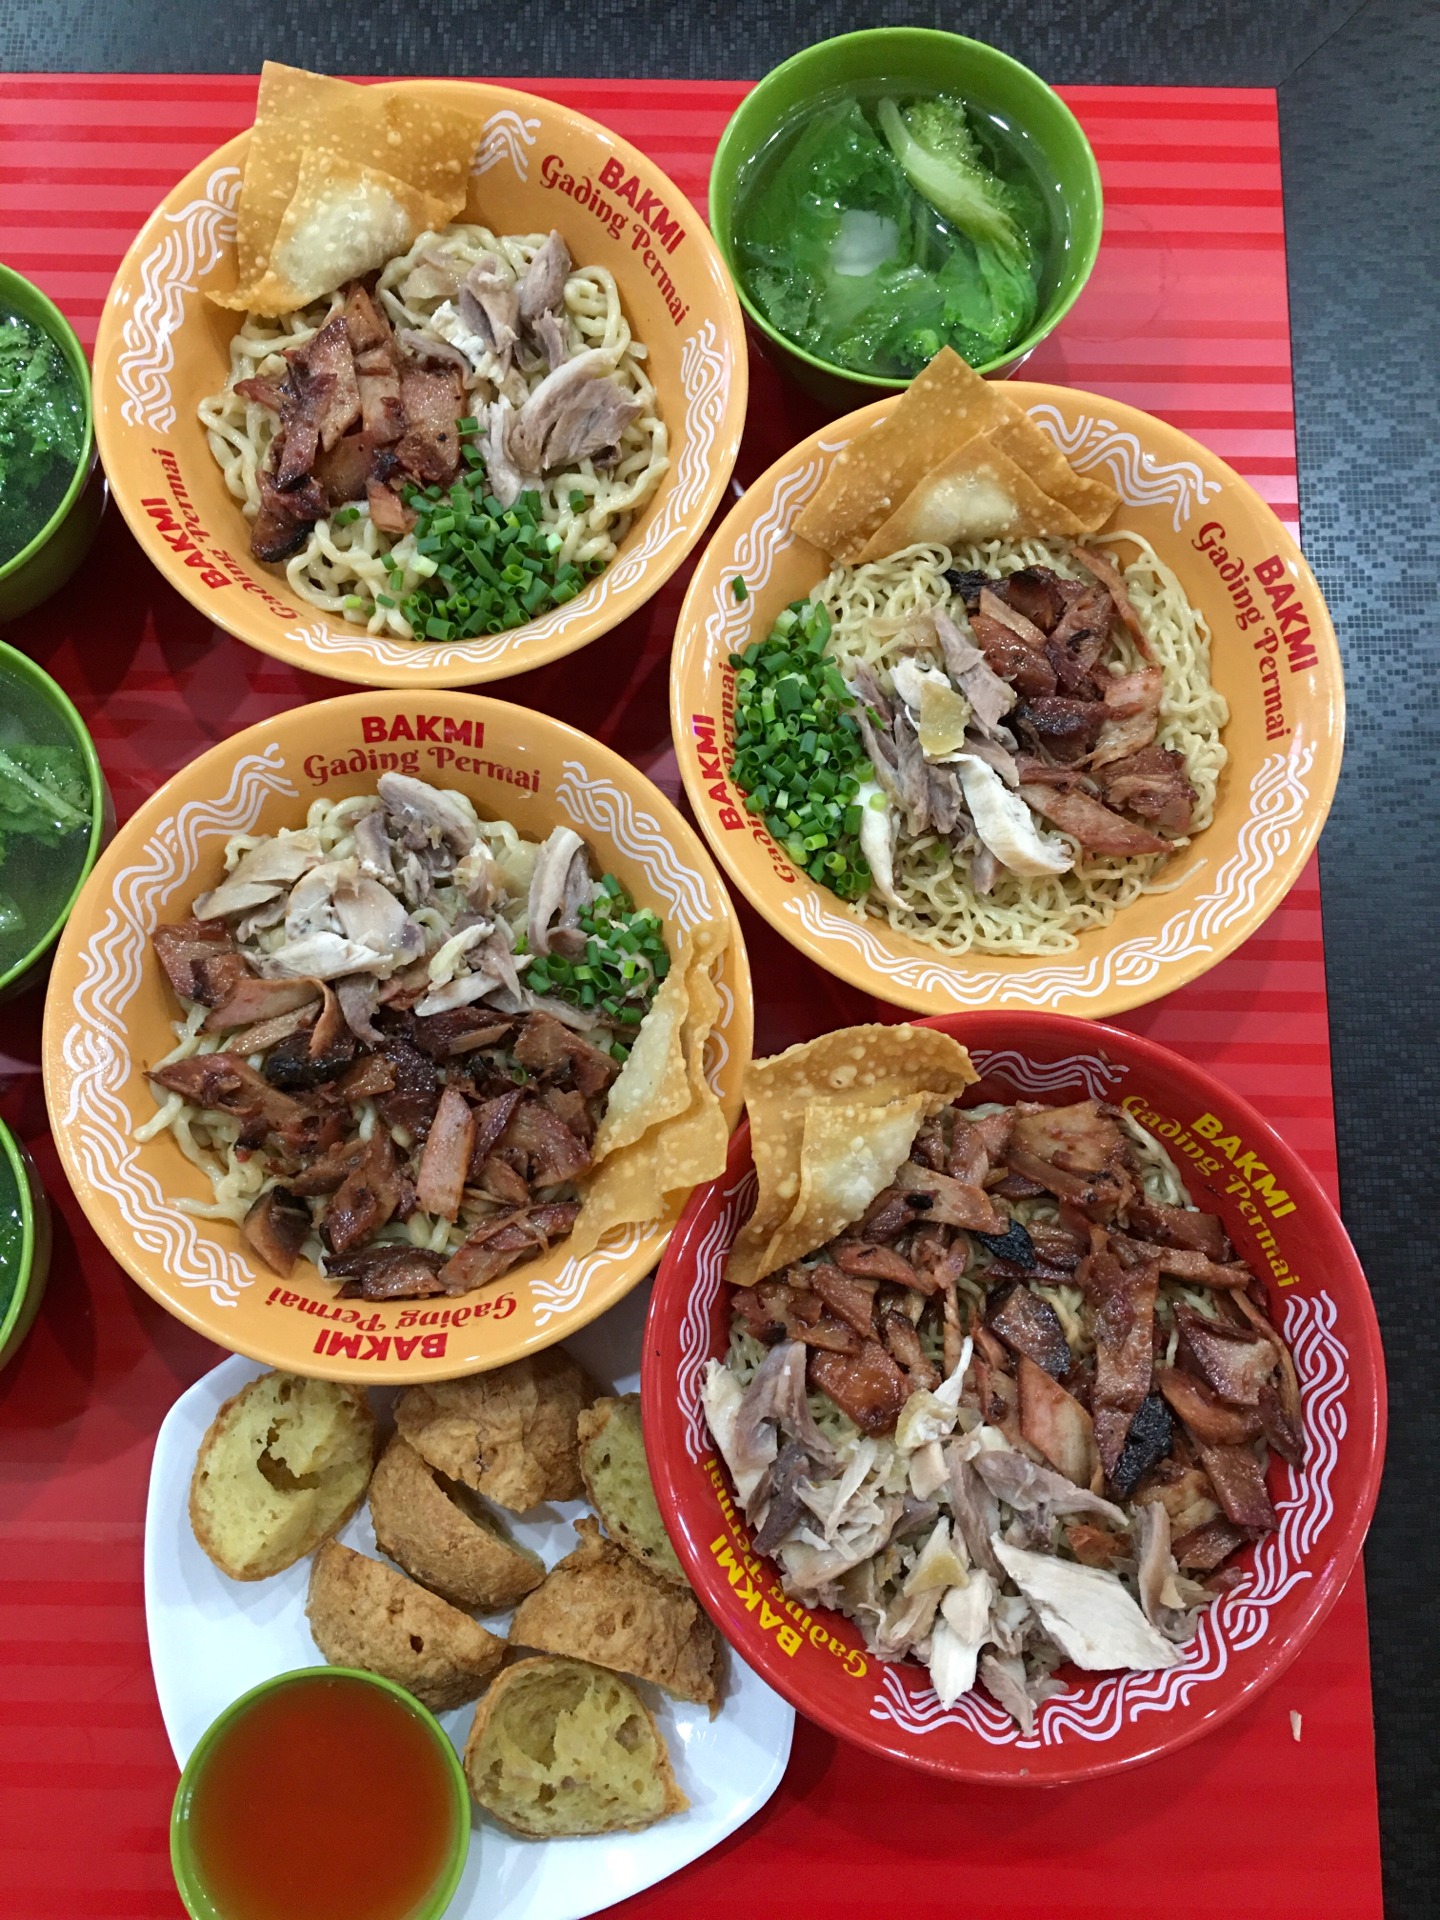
(211, 1639)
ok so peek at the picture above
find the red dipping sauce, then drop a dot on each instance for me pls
(326, 1798)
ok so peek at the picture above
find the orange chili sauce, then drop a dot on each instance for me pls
(324, 1800)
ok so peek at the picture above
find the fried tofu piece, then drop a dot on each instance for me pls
(438, 1534)
(284, 1464)
(560, 1748)
(363, 1614)
(617, 1480)
(599, 1604)
(509, 1434)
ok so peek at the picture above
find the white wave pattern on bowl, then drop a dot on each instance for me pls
(1278, 793)
(99, 1058)
(564, 1294)
(97, 1049)
(704, 374)
(1098, 1076)
(606, 809)
(753, 559)
(1138, 477)
(192, 243)
(1098, 1710)
(506, 135)
(737, 1204)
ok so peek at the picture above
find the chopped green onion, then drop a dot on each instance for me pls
(739, 588)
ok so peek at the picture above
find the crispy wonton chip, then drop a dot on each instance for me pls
(651, 1175)
(976, 494)
(944, 408)
(871, 1065)
(391, 130)
(1091, 501)
(345, 220)
(850, 1152)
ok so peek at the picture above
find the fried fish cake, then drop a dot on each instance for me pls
(600, 1604)
(444, 1541)
(283, 1465)
(509, 1434)
(617, 1479)
(363, 1614)
(559, 1747)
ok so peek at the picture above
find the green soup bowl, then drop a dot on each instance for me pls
(24, 1243)
(48, 559)
(913, 60)
(51, 721)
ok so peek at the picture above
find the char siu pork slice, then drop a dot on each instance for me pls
(503, 1241)
(1096, 828)
(433, 400)
(388, 1271)
(1154, 783)
(277, 1226)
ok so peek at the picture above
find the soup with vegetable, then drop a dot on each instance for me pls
(11, 1234)
(45, 819)
(42, 430)
(874, 230)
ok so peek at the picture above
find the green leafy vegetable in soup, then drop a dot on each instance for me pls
(42, 430)
(45, 820)
(882, 231)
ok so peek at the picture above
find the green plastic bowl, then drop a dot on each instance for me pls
(921, 60)
(198, 1902)
(22, 1279)
(30, 968)
(39, 569)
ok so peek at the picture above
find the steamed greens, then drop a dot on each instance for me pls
(875, 243)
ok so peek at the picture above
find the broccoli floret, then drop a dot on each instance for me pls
(934, 145)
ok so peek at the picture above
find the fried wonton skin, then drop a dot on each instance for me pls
(363, 1614)
(509, 1434)
(599, 1604)
(443, 1539)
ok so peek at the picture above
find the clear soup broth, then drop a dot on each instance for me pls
(10, 1235)
(45, 818)
(882, 223)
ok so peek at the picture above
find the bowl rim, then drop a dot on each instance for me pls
(1368, 1427)
(198, 1902)
(52, 321)
(718, 215)
(113, 1230)
(851, 968)
(110, 429)
(19, 664)
(13, 1153)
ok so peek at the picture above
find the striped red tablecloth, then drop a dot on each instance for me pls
(1185, 316)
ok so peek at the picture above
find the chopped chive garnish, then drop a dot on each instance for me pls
(739, 588)
(799, 759)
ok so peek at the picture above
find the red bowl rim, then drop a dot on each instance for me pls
(1366, 1427)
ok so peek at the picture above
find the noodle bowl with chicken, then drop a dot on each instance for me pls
(449, 448)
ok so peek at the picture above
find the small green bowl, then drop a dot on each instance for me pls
(24, 1267)
(921, 60)
(29, 969)
(198, 1902)
(47, 562)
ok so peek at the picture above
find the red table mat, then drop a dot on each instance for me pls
(1185, 316)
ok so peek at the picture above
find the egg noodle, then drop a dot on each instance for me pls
(340, 566)
(870, 607)
(209, 1140)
